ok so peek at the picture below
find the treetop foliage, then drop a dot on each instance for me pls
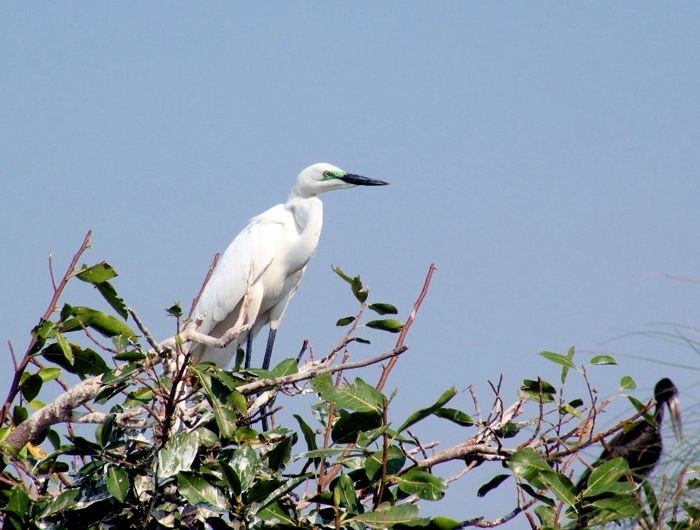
(142, 436)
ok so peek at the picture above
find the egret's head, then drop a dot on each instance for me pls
(325, 177)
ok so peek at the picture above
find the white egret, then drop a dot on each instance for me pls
(267, 259)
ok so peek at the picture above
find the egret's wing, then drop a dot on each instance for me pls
(241, 264)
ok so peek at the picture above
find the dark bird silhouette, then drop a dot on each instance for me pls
(641, 446)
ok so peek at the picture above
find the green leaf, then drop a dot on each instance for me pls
(527, 464)
(340, 273)
(536, 389)
(282, 490)
(560, 485)
(278, 456)
(322, 453)
(119, 375)
(509, 430)
(245, 462)
(36, 404)
(174, 310)
(455, 416)
(491, 484)
(109, 293)
(65, 348)
(86, 361)
(104, 323)
(309, 435)
(18, 502)
(603, 360)
(639, 407)
(218, 395)
(197, 490)
(286, 367)
(178, 454)
(103, 434)
(383, 309)
(345, 490)
(49, 374)
(390, 324)
(231, 478)
(344, 321)
(31, 386)
(394, 462)
(565, 369)
(419, 482)
(274, 515)
(40, 333)
(559, 359)
(99, 273)
(625, 506)
(424, 413)
(349, 426)
(118, 483)
(130, 356)
(444, 523)
(140, 396)
(360, 396)
(606, 475)
(65, 500)
(388, 516)
(359, 290)
(546, 515)
(19, 415)
(627, 383)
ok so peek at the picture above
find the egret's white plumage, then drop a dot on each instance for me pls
(268, 258)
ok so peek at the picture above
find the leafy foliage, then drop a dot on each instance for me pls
(178, 444)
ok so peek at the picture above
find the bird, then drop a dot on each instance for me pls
(267, 260)
(641, 446)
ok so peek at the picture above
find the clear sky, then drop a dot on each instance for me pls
(544, 155)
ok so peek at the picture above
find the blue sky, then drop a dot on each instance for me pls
(544, 155)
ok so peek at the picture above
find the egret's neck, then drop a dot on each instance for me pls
(308, 218)
(308, 214)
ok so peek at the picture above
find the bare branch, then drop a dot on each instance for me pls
(479, 522)
(55, 412)
(14, 387)
(407, 326)
(204, 283)
(312, 369)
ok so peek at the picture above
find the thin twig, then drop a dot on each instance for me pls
(12, 353)
(409, 322)
(481, 523)
(14, 387)
(204, 284)
(51, 273)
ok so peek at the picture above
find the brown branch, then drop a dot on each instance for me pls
(204, 283)
(14, 387)
(459, 451)
(15, 362)
(411, 318)
(314, 370)
(481, 523)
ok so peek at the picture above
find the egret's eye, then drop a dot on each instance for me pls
(327, 174)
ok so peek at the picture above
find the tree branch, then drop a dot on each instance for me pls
(404, 331)
(14, 388)
(55, 412)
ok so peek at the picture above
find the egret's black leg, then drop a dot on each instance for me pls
(268, 349)
(266, 365)
(248, 350)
